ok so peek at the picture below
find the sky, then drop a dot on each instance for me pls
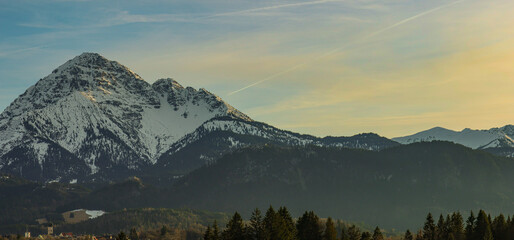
(323, 67)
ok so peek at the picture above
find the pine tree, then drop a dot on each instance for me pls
(500, 228)
(268, 220)
(279, 225)
(441, 228)
(483, 227)
(447, 226)
(308, 227)
(208, 234)
(133, 234)
(456, 226)
(354, 233)
(271, 224)
(366, 236)
(470, 227)
(235, 228)
(285, 224)
(429, 228)
(408, 235)
(330, 230)
(377, 234)
(215, 231)
(510, 226)
(255, 230)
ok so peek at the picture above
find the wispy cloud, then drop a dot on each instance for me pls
(115, 19)
(464, 89)
(333, 51)
(22, 50)
(246, 11)
(125, 17)
(332, 67)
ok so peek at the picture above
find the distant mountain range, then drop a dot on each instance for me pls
(95, 120)
(495, 140)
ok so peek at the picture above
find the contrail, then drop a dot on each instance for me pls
(397, 24)
(23, 50)
(269, 8)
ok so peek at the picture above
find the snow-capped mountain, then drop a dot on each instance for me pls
(477, 139)
(95, 118)
(103, 114)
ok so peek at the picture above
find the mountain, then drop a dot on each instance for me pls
(92, 115)
(392, 188)
(495, 140)
(395, 187)
(93, 119)
(213, 138)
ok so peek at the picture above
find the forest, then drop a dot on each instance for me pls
(280, 225)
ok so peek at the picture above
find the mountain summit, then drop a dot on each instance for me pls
(95, 119)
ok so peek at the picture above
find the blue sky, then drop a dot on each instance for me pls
(334, 67)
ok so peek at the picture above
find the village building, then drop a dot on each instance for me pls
(50, 229)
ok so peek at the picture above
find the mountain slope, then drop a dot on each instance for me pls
(221, 135)
(394, 187)
(390, 188)
(492, 139)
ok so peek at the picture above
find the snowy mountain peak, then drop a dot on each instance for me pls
(93, 61)
(89, 75)
(101, 114)
(89, 58)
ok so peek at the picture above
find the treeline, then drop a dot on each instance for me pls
(481, 227)
(279, 225)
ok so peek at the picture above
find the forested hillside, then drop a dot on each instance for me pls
(393, 188)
